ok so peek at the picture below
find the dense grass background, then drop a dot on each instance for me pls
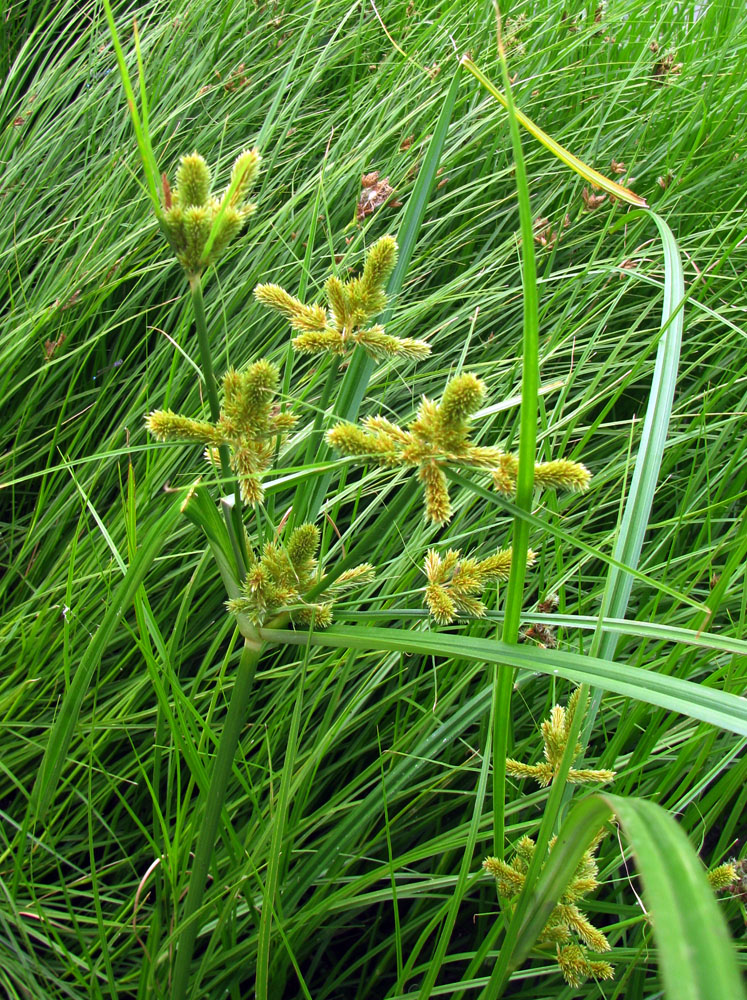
(383, 773)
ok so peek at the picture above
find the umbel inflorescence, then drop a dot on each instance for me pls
(279, 580)
(249, 425)
(351, 306)
(191, 215)
(439, 436)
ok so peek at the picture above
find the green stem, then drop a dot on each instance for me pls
(222, 768)
(232, 516)
(206, 360)
(314, 446)
(502, 679)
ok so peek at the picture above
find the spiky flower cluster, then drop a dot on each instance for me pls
(351, 306)
(567, 925)
(454, 582)
(190, 212)
(723, 877)
(248, 424)
(439, 436)
(279, 579)
(558, 474)
(555, 732)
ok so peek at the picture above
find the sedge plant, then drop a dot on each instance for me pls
(282, 574)
(282, 579)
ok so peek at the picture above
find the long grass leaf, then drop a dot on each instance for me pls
(672, 693)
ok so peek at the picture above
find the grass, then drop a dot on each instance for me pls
(361, 789)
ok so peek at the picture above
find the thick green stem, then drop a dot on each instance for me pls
(206, 360)
(503, 680)
(222, 768)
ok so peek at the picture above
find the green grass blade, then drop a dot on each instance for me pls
(564, 155)
(528, 420)
(140, 126)
(61, 734)
(719, 708)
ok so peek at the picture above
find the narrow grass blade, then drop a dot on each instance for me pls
(528, 420)
(138, 124)
(565, 156)
(62, 732)
(653, 440)
(719, 708)
(648, 461)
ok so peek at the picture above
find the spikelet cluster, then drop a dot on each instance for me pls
(189, 210)
(279, 578)
(568, 928)
(249, 425)
(558, 474)
(440, 436)
(555, 732)
(351, 307)
(723, 877)
(455, 583)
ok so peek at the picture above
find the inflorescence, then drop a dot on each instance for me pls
(566, 919)
(279, 579)
(249, 424)
(440, 436)
(567, 925)
(454, 583)
(555, 732)
(190, 213)
(351, 307)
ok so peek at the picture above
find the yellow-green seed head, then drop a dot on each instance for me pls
(338, 302)
(302, 317)
(320, 615)
(243, 175)
(197, 223)
(381, 345)
(260, 381)
(350, 439)
(167, 426)
(510, 882)
(504, 474)
(357, 576)
(440, 604)
(462, 396)
(589, 776)
(230, 226)
(573, 964)
(498, 566)
(323, 342)
(578, 922)
(173, 220)
(192, 181)
(380, 262)
(563, 475)
(541, 773)
(302, 545)
(723, 876)
(437, 503)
